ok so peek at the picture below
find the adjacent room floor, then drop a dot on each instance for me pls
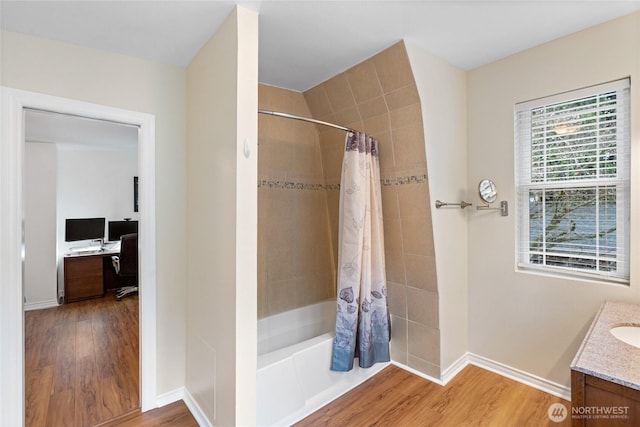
(81, 362)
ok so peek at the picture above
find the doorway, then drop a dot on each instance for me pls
(14, 103)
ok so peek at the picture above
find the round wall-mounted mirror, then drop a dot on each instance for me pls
(487, 190)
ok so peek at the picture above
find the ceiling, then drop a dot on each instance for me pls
(303, 43)
(76, 132)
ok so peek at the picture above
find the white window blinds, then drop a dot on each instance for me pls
(572, 182)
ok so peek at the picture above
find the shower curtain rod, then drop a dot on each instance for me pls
(305, 119)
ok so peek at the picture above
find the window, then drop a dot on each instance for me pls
(572, 182)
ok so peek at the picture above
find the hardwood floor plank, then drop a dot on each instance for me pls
(81, 344)
(61, 410)
(475, 397)
(64, 376)
(88, 408)
(175, 415)
(39, 385)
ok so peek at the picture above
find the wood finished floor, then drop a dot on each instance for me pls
(475, 397)
(174, 415)
(81, 362)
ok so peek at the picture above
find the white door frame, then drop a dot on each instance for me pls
(12, 104)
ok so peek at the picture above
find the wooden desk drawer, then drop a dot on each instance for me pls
(83, 278)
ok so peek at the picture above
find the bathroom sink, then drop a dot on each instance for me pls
(627, 334)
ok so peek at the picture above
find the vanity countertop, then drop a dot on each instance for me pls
(604, 356)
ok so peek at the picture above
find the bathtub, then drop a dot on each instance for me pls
(294, 353)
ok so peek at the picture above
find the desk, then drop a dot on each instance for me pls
(89, 275)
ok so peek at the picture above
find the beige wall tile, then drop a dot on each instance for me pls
(279, 233)
(279, 264)
(411, 115)
(424, 342)
(413, 200)
(422, 307)
(303, 258)
(393, 235)
(364, 82)
(390, 208)
(408, 146)
(280, 204)
(339, 93)
(417, 236)
(300, 106)
(332, 155)
(305, 163)
(275, 98)
(281, 129)
(318, 101)
(348, 117)
(397, 299)
(423, 366)
(377, 125)
(280, 296)
(387, 161)
(263, 125)
(421, 271)
(394, 264)
(305, 133)
(263, 205)
(402, 97)
(398, 339)
(263, 161)
(373, 107)
(393, 68)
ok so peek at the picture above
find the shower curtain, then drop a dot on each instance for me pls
(362, 319)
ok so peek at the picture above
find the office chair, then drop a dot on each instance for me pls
(126, 265)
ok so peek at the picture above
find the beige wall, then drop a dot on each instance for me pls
(221, 348)
(443, 95)
(534, 322)
(295, 260)
(379, 96)
(64, 70)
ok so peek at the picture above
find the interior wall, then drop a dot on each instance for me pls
(443, 97)
(40, 287)
(60, 69)
(105, 189)
(536, 322)
(222, 223)
(295, 255)
(380, 97)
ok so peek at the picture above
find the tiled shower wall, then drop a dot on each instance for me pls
(295, 262)
(379, 96)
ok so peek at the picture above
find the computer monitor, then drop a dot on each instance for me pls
(83, 229)
(118, 228)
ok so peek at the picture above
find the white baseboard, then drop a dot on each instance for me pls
(523, 377)
(195, 410)
(455, 368)
(40, 305)
(182, 394)
(170, 397)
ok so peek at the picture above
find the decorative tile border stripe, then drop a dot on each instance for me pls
(403, 180)
(291, 185)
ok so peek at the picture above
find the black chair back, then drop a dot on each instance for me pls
(129, 256)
